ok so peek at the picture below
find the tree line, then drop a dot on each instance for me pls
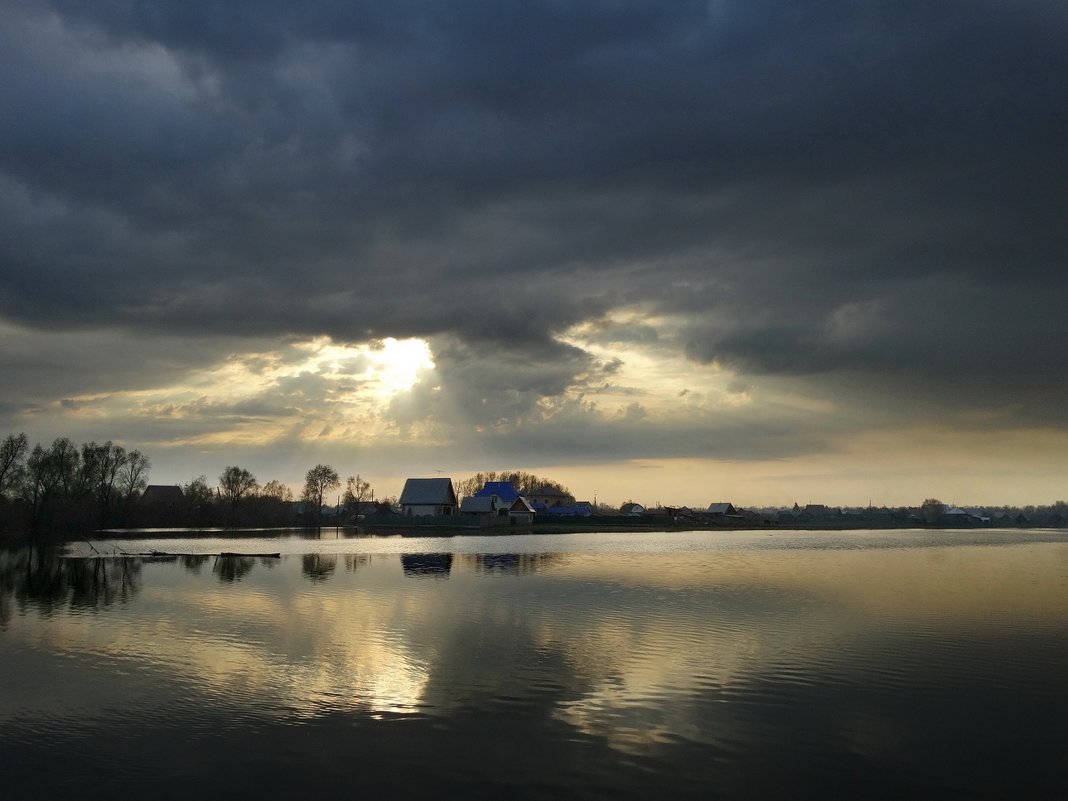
(525, 483)
(65, 488)
(240, 499)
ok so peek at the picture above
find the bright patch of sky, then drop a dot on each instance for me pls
(314, 389)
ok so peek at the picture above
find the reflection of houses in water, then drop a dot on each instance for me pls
(423, 565)
(509, 564)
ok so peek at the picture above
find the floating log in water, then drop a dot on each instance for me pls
(259, 555)
(169, 555)
(223, 555)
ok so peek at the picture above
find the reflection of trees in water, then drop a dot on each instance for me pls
(229, 567)
(423, 565)
(356, 560)
(193, 563)
(510, 564)
(318, 566)
(233, 568)
(42, 579)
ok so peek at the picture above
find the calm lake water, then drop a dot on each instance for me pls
(860, 665)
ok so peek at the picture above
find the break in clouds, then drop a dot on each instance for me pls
(738, 230)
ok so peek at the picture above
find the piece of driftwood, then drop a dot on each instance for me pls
(259, 555)
(169, 555)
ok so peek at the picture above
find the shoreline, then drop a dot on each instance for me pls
(409, 529)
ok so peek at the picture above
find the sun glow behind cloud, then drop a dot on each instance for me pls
(312, 389)
(386, 367)
(649, 372)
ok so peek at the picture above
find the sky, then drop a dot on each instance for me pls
(765, 252)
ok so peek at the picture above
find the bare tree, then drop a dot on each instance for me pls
(199, 498)
(236, 482)
(356, 492)
(12, 460)
(133, 475)
(51, 480)
(277, 491)
(318, 481)
(932, 510)
(101, 465)
(65, 465)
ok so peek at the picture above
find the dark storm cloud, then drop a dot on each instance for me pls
(807, 189)
(39, 366)
(477, 390)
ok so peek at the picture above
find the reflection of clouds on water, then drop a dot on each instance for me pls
(337, 648)
(280, 649)
(642, 652)
(648, 664)
(908, 584)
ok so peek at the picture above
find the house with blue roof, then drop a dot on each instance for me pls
(499, 498)
(505, 490)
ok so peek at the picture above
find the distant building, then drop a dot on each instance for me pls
(423, 497)
(584, 509)
(632, 509)
(162, 496)
(675, 514)
(367, 508)
(955, 516)
(721, 509)
(549, 497)
(482, 506)
(521, 512)
(658, 512)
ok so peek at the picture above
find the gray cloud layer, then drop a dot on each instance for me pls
(870, 193)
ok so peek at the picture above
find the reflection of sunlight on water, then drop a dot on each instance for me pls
(640, 679)
(643, 650)
(297, 656)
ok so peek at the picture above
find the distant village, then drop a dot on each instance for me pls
(65, 489)
(437, 502)
(501, 503)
